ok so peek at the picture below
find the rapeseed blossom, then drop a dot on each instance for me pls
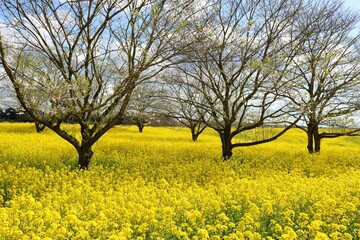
(161, 185)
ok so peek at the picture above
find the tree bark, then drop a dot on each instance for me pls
(196, 129)
(140, 125)
(310, 142)
(85, 155)
(84, 150)
(314, 138)
(39, 127)
(317, 139)
(227, 147)
(194, 134)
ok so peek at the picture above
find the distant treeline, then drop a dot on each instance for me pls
(17, 115)
(14, 115)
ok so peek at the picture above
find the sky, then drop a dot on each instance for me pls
(353, 4)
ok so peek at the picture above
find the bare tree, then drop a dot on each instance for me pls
(179, 101)
(324, 85)
(247, 47)
(81, 60)
(143, 105)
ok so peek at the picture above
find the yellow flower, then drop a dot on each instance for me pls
(347, 236)
(216, 237)
(289, 234)
(223, 218)
(267, 207)
(17, 234)
(315, 225)
(277, 228)
(321, 236)
(202, 234)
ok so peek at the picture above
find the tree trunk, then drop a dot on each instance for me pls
(310, 144)
(194, 135)
(140, 125)
(314, 138)
(84, 151)
(39, 127)
(85, 156)
(317, 139)
(196, 130)
(226, 143)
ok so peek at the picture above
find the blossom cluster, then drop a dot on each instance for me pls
(161, 185)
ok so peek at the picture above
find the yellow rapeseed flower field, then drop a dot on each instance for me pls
(161, 185)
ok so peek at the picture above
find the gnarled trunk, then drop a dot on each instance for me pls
(317, 140)
(314, 138)
(140, 124)
(84, 151)
(227, 147)
(194, 135)
(310, 141)
(85, 155)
